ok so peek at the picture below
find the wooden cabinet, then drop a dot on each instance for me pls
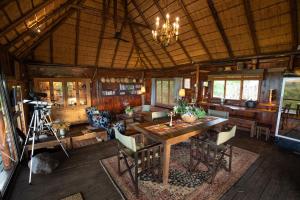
(69, 96)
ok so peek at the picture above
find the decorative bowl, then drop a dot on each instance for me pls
(189, 118)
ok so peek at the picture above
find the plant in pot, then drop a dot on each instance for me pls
(61, 127)
(188, 113)
(129, 111)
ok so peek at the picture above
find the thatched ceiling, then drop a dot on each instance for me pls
(72, 31)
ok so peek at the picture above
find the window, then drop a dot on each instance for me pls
(165, 92)
(187, 83)
(250, 90)
(236, 89)
(233, 89)
(218, 90)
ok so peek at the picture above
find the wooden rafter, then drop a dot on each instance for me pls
(6, 15)
(294, 23)
(137, 48)
(32, 4)
(149, 46)
(77, 29)
(129, 57)
(115, 14)
(106, 7)
(44, 20)
(19, 7)
(116, 48)
(194, 28)
(249, 16)
(220, 27)
(27, 15)
(148, 24)
(51, 48)
(45, 34)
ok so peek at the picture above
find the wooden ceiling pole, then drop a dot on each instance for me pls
(248, 12)
(24, 17)
(179, 41)
(137, 48)
(51, 48)
(294, 24)
(129, 57)
(220, 27)
(77, 30)
(32, 4)
(44, 35)
(147, 23)
(116, 49)
(49, 16)
(195, 30)
(149, 46)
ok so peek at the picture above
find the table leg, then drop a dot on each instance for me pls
(166, 163)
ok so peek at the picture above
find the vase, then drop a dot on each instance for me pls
(62, 133)
(130, 114)
(189, 118)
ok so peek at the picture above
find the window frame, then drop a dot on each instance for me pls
(241, 88)
(160, 103)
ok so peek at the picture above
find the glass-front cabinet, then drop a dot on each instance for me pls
(69, 96)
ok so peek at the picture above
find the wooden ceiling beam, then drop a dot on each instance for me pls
(116, 49)
(249, 16)
(294, 23)
(27, 15)
(218, 22)
(194, 28)
(51, 48)
(137, 48)
(129, 57)
(104, 20)
(46, 33)
(19, 7)
(77, 30)
(44, 20)
(148, 24)
(149, 46)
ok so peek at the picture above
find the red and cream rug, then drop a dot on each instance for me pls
(242, 160)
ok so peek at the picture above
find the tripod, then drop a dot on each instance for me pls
(40, 121)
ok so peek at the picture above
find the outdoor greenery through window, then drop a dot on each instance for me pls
(236, 89)
(165, 92)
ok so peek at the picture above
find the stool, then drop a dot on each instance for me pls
(263, 129)
(298, 109)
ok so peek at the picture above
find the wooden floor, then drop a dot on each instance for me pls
(275, 175)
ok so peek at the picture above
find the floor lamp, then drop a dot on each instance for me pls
(143, 91)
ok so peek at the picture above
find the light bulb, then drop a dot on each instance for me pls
(167, 16)
(177, 19)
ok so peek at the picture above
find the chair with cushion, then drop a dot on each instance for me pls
(158, 115)
(140, 154)
(212, 153)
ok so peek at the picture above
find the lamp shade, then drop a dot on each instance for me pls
(182, 93)
(143, 89)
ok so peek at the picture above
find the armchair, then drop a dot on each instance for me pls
(139, 153)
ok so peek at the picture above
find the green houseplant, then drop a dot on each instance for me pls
(61, 127)
(188, 113)
(129, 111)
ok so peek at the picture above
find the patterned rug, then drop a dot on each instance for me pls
(182, 184)
(76, 196)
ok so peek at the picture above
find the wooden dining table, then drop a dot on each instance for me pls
(179, 132)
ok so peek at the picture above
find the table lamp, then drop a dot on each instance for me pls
(181, 92)
(143, 89)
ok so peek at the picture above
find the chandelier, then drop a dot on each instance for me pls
(167, 33)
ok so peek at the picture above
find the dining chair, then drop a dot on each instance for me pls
(141, 154)
(285, 114)
(158, 115)
(212, 153)
(218, 113)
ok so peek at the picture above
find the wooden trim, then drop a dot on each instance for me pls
(218, 22)
(194, 28)
(294, 23)
(147, 23)
(24, 17)
(77, 30)
(251, 26)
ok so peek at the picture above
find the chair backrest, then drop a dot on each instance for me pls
(218, 113)
(159, 114)
(225, 136)
(146, 108)
(127, 141)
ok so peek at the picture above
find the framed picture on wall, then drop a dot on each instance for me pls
(187, 83)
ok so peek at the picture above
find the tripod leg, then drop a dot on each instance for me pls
(27, 137)
(32, 150)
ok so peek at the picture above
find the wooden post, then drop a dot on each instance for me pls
(197, 83)
(4, 148)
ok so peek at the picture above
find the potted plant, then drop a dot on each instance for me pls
(129, 111)
(188, 113)
(61, 127)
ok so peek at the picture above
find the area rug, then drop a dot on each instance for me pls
(182, 184)
(76, 196)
